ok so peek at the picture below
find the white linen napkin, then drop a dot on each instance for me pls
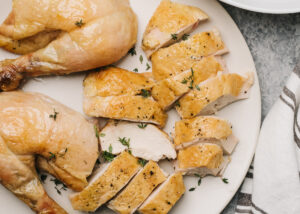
(272, 184)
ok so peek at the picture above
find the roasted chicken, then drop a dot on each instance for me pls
(64, 36)
(170, 22)
(34, 125)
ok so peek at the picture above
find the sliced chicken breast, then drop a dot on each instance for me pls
(106, 183)
(202, 159)
(138, 190)
(144, 140)
(167, 91)
(205, 129)
(120, 94)
(165, 196)
(169, 23)
(182, 56)
(214, 94)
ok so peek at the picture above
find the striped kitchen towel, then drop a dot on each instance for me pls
(272, 184)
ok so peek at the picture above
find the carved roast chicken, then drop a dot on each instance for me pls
(64, 36)
(35, 128)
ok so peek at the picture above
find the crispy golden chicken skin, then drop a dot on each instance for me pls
(64, 36)
(182, 56)
(165, 196)
(214, 94)
(33, 124)
(205, 129)
(120, 94)
(169, 23)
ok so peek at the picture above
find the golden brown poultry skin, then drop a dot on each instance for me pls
(89, 34)
(33, 124)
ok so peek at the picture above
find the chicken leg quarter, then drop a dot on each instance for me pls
(64, 36)
(62, 141)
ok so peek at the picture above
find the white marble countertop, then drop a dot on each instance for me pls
(274, 41)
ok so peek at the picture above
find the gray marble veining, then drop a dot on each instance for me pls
(274, 41)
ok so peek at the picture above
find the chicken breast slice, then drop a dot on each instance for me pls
(120, 94)
(202, 159)
(182, 56)
(106, 183)
(205, 129)
(138, 190)
(214, 94)
(165, 196)
(167, 91)
(145, 141)
(169, 19)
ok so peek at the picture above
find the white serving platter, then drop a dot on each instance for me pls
(212, 195)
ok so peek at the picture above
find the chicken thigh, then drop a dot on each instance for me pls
(64, 36)
(34, 125)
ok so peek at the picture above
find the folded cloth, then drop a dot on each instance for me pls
(272, 184)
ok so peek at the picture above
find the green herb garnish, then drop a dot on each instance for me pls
(43, 177)
(225, 180)
(125, 142)
(102, 134)
(142, 162)
(79, 23)
(108, 156)
(197, 87)
(132, 51)
(192, 189)
(54, 116)
(141, 59)
(142, 125)
(135, 70)
(192, 79)
(148, 66)
(145, 93)
(110, 148)
(177, 103)
(174, 36)
(184, 81)
(52, 156)
(185, 36)
(57, 183)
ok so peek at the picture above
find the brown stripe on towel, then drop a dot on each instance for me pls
(288, 104)
(249, 175)
(290, 94)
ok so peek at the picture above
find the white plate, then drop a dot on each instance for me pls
(213, 195)
(267, 6)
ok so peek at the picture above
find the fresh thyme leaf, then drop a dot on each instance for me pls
(148, 66)
(197, 175)
(177, 103)
(184, 81)
(57, 183)
(129, 151)
(102, 135)
(174, 36)
(141, 59)
(79, 23)
(52, 156)
(107, 156)
(142, 125)
(142, 162)
(192, 79)
(96, 131)
(125, 142)
(225, 180)
(54, 115)
(185, 36)
(197, 87)
(199, 181)
(192, 189)
(136, 70)
(132, 51)
(43, 177)
(145, 93)
(110, 148)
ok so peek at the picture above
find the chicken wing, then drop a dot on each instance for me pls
(33, 124)
(64, 36)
